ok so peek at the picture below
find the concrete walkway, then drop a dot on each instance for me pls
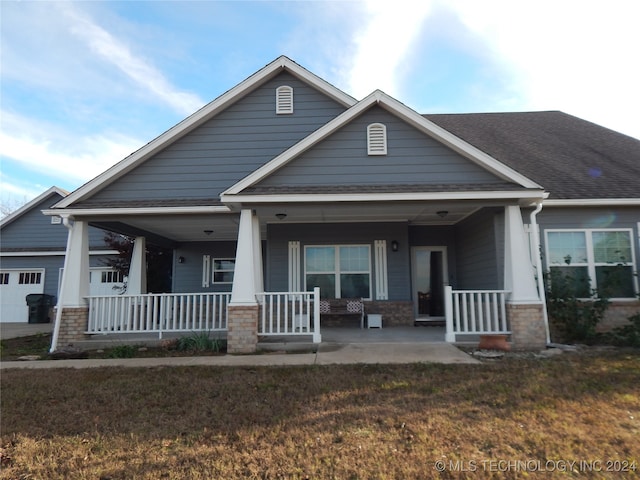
(406, 345)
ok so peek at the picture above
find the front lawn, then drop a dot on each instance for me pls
(508, 419)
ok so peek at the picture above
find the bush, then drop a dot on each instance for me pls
(200, 342)
(628, 335)
(573, 319)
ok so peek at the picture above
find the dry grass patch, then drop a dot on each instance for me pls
(343, 422)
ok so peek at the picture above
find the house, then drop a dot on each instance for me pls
(286, 193)
(32, 253)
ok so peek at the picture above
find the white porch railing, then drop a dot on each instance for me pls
(158, 313)
(290, 313)
(475, 312)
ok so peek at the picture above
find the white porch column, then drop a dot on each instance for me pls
(257, 254)
(72, 308)
(137, 279)
(75, 277)
(248, 261)
(519, 277)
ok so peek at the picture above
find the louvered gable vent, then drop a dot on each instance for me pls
(284, 100)
(376, 139)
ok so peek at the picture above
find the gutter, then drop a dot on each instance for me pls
(538, 260)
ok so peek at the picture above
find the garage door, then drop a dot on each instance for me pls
(102, 281)
(15, 285)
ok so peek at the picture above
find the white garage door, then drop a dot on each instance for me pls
(15, 285)
(102, 281)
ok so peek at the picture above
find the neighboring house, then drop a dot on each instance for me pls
(32, 253)
(285, 183)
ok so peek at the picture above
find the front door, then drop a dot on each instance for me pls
(429, 273)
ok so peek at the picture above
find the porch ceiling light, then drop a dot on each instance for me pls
(442, 213)
(281, 216)
(208, 232)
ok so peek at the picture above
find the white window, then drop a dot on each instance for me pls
(376, 139)
(223, 269)
(111, 276)
(29, 278)
(341, 271)
(284, 100)
(593, 259)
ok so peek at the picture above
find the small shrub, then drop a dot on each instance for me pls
(123, 351)
(572, 318)
(627, 335)
(199, 342)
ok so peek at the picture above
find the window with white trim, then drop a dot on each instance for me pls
(284, 100)
(223, 269)
(341, 271)
(376, 139)
(593, 259)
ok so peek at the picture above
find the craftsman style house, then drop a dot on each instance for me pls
(285, 200)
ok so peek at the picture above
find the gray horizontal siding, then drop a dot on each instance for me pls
(187, 276)
(412, 157)
(477, 252)
(227, 148)
(34, 231)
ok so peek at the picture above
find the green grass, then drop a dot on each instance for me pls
(343, 422)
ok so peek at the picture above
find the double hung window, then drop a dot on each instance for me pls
(341, 271)
(593, 259)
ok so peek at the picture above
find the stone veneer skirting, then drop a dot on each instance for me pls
(618, 313)
(527, 326)
(73, 324)
(394, 313)
(242, 328)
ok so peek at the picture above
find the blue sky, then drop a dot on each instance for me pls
(83, 84)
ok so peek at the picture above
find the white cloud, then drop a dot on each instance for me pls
(118, 54)
(61, 154)
(384, 42)
(576, 56)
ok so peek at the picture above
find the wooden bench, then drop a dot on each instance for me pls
(343, 307)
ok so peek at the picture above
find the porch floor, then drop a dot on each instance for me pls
(345, 335)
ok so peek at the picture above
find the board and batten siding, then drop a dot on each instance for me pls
(412, 158)
(398, 263)
(227, 148)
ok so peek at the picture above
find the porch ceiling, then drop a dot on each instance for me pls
(178, 228)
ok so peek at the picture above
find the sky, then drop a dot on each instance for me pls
(84, 84)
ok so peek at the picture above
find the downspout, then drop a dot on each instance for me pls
(540, 276)
(66, 221)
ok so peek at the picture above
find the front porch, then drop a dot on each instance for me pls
(282, 318)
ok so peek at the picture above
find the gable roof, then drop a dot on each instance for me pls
(572, 158)
(406, 114)
(32, 204)
(203, 115)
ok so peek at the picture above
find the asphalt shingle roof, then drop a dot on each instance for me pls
(570, 157)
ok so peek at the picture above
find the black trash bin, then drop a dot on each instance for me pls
(39, 306)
